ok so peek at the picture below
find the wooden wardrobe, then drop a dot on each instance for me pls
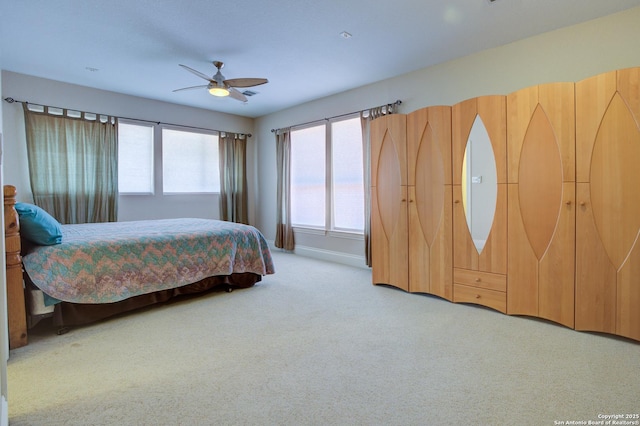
(563, 242)
(411, 201)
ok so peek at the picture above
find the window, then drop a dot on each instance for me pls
(135, 158)
(327, 188)
(189, 162)
(347, 177)
(308, 177)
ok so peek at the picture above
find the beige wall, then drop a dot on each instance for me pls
(569, 54)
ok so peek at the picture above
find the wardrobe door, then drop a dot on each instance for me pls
(430, 192)
(608, 211)
(541, 199)
(389, 223)
(480, 201)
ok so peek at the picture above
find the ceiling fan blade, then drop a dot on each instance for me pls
(198, 73)
(245, 82)
(192, 87)
(236, 94)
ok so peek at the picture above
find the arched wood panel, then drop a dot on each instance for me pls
(389, 223)
(430, 222)
(596, 277)
(628, 296)
(608, 256)
(558, 102)
(628, 318)
(465, 255)
(438, 118)
(393, 129)
(463, 115)
(522, 273)
(592, 98)
(541, 142)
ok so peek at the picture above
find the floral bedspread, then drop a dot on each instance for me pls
(109, 262)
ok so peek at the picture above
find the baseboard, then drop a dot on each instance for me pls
(331, 256)
(328, 255)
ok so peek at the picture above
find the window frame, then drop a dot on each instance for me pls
(154, 165)
(161, 157)
(329, 228)
(157, 160)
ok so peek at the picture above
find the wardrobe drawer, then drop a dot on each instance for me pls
(493, 299)
(486, 280)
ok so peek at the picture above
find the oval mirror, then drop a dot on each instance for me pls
(479, 184)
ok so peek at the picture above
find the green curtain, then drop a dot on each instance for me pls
(284, 229)
(233, 178)
(73, 164)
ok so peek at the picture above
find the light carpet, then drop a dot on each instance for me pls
(317, 344)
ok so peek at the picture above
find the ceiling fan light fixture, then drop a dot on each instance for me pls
(220, 87)
(219, 91)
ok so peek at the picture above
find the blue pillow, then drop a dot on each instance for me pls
(38, 226)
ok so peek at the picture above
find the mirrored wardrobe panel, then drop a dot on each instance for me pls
(480, 201)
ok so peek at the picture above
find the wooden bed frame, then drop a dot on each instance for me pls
(72, 314)
(16, 306)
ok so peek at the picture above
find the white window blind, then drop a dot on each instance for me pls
(308, 177)
(189, 162)
(347, 175)
(135, 158)
(327, 189)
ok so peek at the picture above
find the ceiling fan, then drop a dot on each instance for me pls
(219, 86)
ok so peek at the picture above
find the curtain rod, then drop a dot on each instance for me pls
(11, 100)
(398, 102)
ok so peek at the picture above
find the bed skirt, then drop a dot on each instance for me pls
(67, 314)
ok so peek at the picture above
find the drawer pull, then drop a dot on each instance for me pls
(477, 296)
(478, 280)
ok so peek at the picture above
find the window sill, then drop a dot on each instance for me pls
(350, 235)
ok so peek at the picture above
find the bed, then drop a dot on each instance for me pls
(80, 274)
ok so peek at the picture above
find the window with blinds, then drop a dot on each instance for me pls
(327, 188)
(189, 162)
(135, 158)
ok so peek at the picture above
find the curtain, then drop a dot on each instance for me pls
(284, 230)
(233, 178)
(73, 164)
(365, 121)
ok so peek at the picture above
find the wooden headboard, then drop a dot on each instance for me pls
(16, 308)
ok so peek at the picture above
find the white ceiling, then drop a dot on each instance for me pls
(135, 46)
